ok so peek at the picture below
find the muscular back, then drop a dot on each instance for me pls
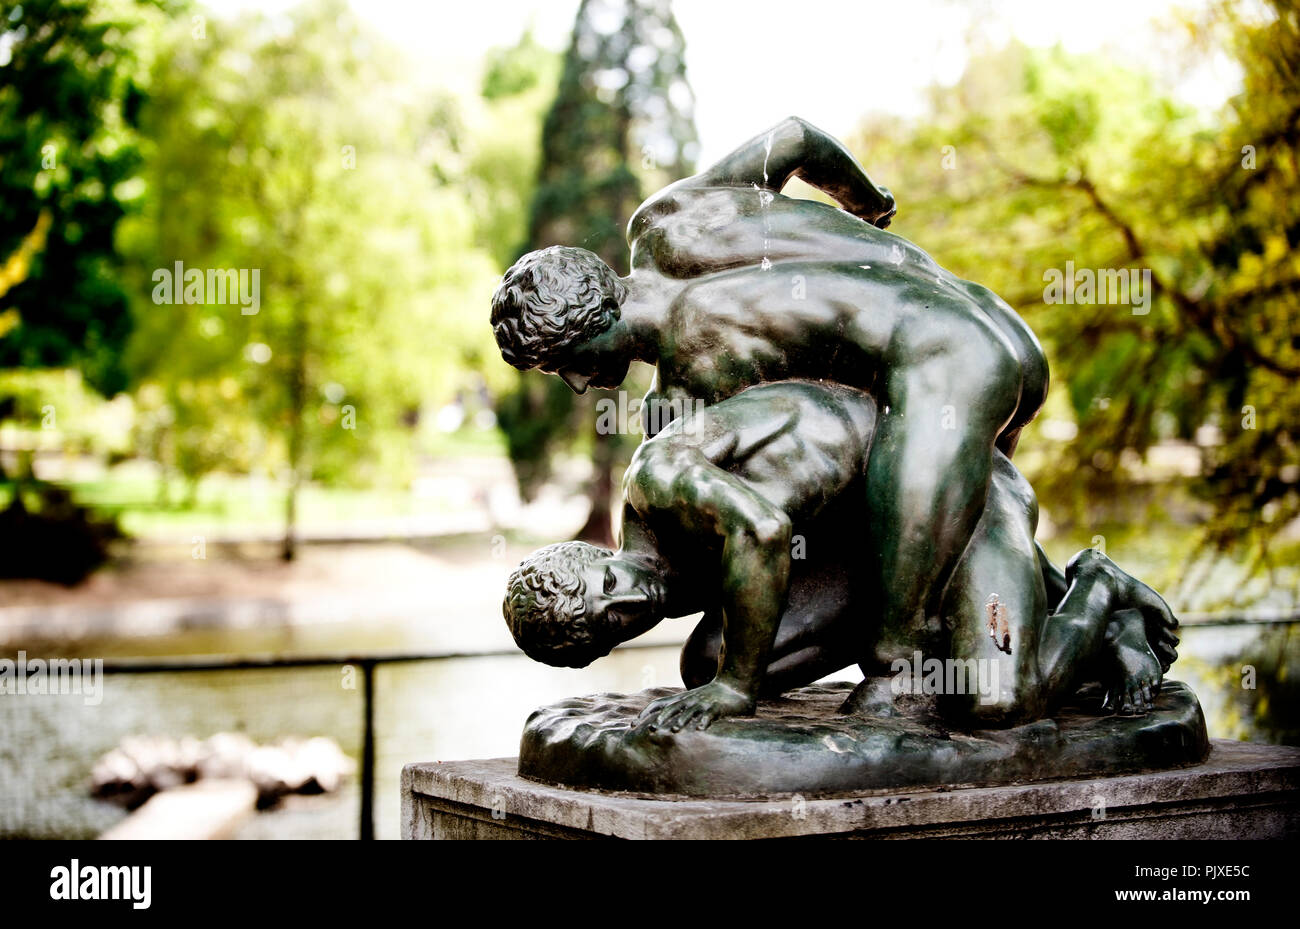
(767, 287)
(796, 444)
(687, 231)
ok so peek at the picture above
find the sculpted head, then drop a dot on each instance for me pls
(558, 309)
(571, 603)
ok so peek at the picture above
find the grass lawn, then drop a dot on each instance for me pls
(235, 503)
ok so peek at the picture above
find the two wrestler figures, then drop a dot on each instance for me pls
(844, 494)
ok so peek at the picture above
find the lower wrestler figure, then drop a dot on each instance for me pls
(752, 511)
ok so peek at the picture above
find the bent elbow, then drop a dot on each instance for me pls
(795, 125)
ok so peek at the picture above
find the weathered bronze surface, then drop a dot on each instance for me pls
(801, 744)
(836, 487)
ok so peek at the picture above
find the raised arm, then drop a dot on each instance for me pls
(796, 148)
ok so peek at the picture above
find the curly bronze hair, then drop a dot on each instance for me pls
(551, 300)
(545, 607)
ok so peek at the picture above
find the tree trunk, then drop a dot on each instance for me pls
(598, 529)
(192, 492)
(289, 546)
(297, 399)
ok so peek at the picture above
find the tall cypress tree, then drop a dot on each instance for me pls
(622, 124)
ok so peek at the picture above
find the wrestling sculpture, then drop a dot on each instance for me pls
(839, 492)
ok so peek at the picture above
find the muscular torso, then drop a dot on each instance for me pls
(763, 287)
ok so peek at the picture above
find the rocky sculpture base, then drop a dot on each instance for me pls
(802, 744)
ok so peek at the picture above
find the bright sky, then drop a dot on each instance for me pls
(831, 61)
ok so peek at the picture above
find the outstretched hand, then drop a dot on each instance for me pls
(699, 707)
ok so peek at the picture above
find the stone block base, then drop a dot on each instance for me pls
(1241, 790)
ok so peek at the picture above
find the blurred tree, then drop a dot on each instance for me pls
(518, 86)
(283, 146)
(69, 97)
(620, 126)
(518, 69)
(1038, 158)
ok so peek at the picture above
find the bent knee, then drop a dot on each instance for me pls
(1090, 564)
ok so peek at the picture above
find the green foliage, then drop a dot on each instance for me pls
(516, 70)
(285, 145)
(501, 159)
(1036, 158)
(55, 410)
(528, 416)
(69, 96)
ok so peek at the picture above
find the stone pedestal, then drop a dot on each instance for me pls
(1240, 790)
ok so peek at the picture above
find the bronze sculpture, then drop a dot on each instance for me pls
(858, 397)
